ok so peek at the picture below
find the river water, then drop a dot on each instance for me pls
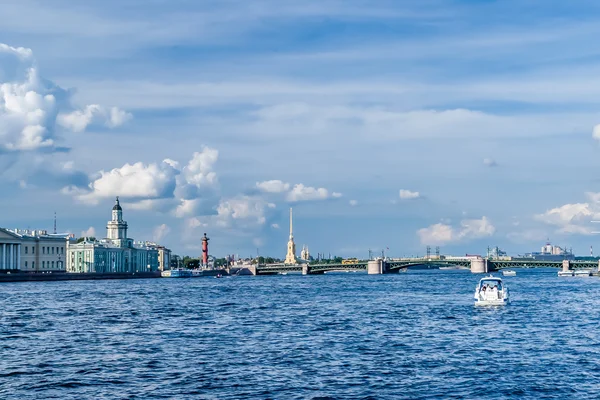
(336, 336)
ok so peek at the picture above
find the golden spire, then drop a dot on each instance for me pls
(291, 235)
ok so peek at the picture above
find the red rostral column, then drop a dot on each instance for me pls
(205, 249)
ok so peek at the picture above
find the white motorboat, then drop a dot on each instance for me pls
(583, 272)
(566, 273)
(491, 291)
(509, 272)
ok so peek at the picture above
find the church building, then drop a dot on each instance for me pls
(115, 253)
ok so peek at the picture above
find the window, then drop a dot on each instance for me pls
(32, 264)
(53, 250)
(25, 262)
(32, 250)
(26, 248)
(62, 250)
(52, 264)
(43, 264)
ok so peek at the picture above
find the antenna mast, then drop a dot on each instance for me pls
(55, 222)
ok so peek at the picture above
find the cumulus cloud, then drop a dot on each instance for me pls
(353, 203)
(90, 232)
(489, 162)
(408, 195)
(133, 181)
(164, 186)
(469, 229)
(275, 226)
(160, 232)
(31, 108)
(273, 186)
(572, 218)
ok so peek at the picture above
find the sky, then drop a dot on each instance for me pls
(386, 125)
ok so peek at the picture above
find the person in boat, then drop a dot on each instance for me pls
(494, 292)
(482, 292)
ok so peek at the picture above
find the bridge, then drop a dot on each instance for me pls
(476, 265)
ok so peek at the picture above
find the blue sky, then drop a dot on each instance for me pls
(384, 124)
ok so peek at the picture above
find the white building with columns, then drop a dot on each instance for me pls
(115, 253)
(32, 250)
(10, 251)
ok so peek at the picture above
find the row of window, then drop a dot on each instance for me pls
(46, 250)
(46, 264)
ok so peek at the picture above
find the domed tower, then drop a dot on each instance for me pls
(116, 229)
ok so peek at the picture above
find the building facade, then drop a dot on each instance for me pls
(10, 251)
(33, 250)
(115, 253)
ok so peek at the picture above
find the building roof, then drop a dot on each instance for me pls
(117, 206)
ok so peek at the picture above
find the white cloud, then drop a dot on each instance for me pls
(596, 132)
(273, 186)
(160, 232)
(408, 195)
(469, 229)
(572, 218)
(164, 187)
(489, 162)
(133, 181)
(275, 226)
(90, 232)
(353, 203)
(32, 107)
(79, 120)
(307, 193)
(243, 209)
(198, 174)
(336, 195)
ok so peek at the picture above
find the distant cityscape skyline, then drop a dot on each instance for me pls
(394, 124)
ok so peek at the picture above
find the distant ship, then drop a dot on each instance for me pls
(549, 253)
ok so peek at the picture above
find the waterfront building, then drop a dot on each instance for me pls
(33, 250)
(290, 257)
(115, 253)
(10, 250)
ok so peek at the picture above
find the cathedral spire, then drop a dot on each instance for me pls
(290, 257)
(291, 234)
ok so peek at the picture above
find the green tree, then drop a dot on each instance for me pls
(89, 239)
(220, 262)
(192, 263)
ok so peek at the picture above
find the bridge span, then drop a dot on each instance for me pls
(476, 265)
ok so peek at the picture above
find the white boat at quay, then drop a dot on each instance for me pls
(176, 273)
(566, 273)
(491, 291)
(509, 272)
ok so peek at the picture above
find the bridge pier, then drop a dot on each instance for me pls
(375, 267)
(566, 265)
(479, 266)
(305, 269)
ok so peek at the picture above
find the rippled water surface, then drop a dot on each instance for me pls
(349, 335)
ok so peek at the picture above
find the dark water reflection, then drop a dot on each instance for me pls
(413, 335)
